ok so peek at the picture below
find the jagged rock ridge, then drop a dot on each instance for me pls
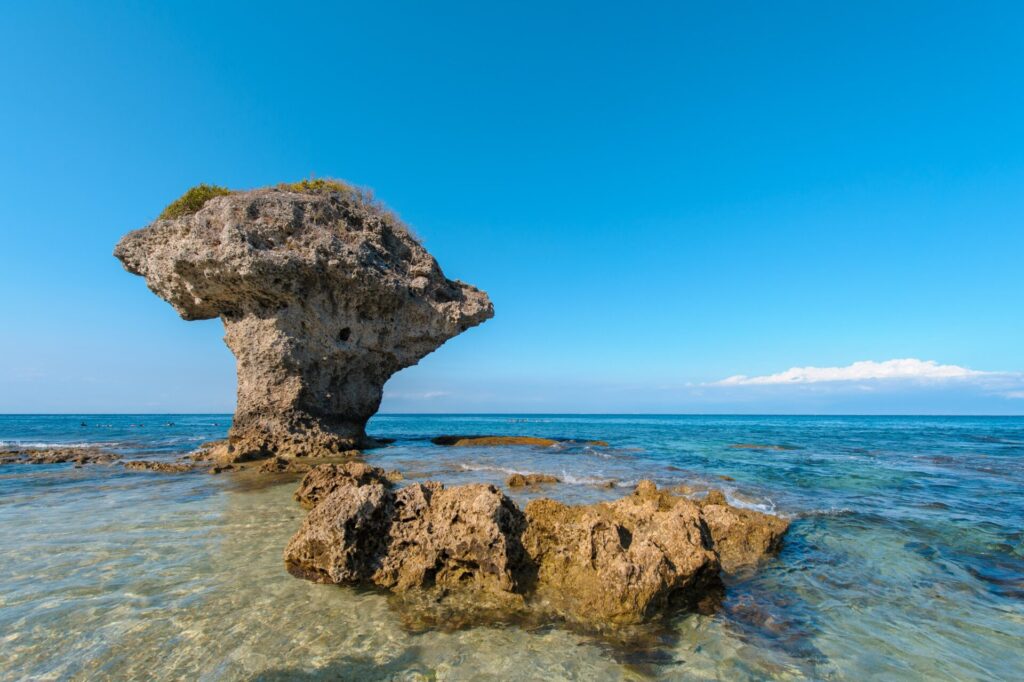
(323, 296)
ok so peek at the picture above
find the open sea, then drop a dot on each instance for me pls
(904, 561)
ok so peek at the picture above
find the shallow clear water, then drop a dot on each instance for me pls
(905, 559)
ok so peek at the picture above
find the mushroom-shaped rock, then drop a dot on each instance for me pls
(323, 295)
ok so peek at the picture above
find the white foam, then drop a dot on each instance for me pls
(731, 497)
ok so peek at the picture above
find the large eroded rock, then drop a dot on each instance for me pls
(599, 565)
(323, 295)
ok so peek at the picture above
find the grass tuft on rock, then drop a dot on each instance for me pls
(193, 200)
(359, 196)
(318, 185)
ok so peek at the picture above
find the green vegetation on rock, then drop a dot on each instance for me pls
(193, 200)
(317, 185)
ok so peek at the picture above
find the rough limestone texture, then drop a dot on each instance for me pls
(324, 479)
(421, 536)
(323, 297)
(602, 565)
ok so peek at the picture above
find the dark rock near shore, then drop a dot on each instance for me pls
(323, 295)
(601, 565)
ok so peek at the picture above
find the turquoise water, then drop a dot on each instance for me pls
(905, 559)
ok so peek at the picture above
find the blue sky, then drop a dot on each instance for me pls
(657, 196)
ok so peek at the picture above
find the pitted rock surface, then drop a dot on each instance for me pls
(421, 536)
(323, 297)
(324, 479)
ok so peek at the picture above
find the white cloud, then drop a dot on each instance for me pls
(865, 370)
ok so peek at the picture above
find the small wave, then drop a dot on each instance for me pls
(484, 467)
(767, 507)
(564, 476)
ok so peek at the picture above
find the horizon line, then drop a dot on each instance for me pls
(539, 414)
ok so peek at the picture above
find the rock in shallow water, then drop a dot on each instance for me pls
(599, 565)
(323, 295)
(160, 467)
(522, 480)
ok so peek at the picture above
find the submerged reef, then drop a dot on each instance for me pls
(470, 547)
(323, 294)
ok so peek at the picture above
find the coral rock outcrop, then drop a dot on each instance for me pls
(323, 296)
(601, 565)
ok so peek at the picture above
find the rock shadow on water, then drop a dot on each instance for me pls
(770, 620)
